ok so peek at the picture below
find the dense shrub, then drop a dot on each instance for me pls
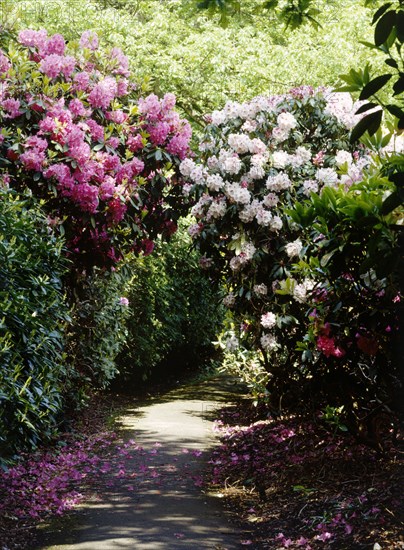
(351, 348)
(258, 159)
(32, 319)
(303, 290)
(75, 131)
(104, 162)
(97, 331)
(174, 311)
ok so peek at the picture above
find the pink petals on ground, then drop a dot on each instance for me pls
(301, 467)
(45, 483)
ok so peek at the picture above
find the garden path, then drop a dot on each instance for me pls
(163, 506)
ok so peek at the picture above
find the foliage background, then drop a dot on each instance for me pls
(174, 312)
(173, 48)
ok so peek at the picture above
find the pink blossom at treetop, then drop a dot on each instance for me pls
(83, 150)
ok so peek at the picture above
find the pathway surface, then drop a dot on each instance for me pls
(165, 508)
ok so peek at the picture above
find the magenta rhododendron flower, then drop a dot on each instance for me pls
(120, 61)
(33, 159)
(118, 116)
(327, 346)
(12, 107)
(5, 64)
(103, 166)
(53, 45)
(53, 65)
(103, 93)
(31, 38)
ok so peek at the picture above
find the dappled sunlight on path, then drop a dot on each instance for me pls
(155, 501)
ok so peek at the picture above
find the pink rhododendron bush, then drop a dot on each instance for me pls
(102, 162)
(282, 213)
(75, 131)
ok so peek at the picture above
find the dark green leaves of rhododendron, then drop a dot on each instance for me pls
(388, 40)
(32, 319)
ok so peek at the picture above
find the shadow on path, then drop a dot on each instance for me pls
(158, 503)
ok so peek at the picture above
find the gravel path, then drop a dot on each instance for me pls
(164, 508)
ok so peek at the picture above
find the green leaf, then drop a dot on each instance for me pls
(366, 107)
(398, 86)
(270, 4)
(367, 44)
(391, 63)
(400, 26)
(369, 123)
(395, 111)
(384, 27)
(392, 202)
(380, 12)
(326, 258)
(374, 86)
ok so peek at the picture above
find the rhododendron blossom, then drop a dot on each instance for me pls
(85, 152)
(257, 159)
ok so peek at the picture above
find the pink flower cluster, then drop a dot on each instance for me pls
(327, 346)
(5, 64)
(162, 122)
(87, 146)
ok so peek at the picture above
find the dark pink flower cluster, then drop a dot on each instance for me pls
(162, 121)
(96, 163)
(369, 345)
(327, 346)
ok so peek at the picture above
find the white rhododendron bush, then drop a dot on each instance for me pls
(257, 161)
(290, 215)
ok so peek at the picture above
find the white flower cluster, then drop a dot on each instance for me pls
(236, 193)
(195, 229)
(310, 186)
(198, 210)
(246, 254)
(215, 182)
(261, 289)
(268, 320)
(216, 210)
(229, 300)
(240, 143)
(341, 105)
(301, 290)
(294, 248)
(232, 343)
(278, 183)
(269, 342)
(328, 177)
(232, 165)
